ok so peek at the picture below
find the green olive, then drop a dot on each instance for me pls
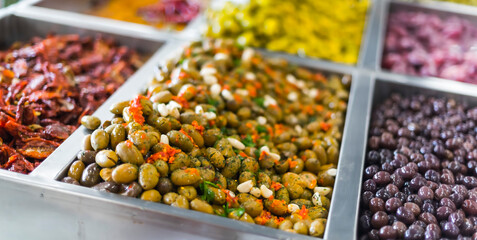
(90, 122)
(250, 164)
(163, 124)
(106, 158)
(245, 176)
(128, 153)
(317, 212)
(118, 134)
(99, 139)
(276, 206)
(141, 140)
(76, 170)
(312, 165)
(162, 167)
(190, 130)
(201, 206)
(300, 227)
(264, 179)
(285, 224)
(180, 160)
(317, 227)
(188, 192)
(124, 173)
(207, 174)
(180, 140)
(170, 197)
(106, 174)
(117, 108)
(181, 202)
(215, 157)
(162, 97)
(232, 166)
(211, 136)
(90, 175)
(117, 120)
(151, 195)
(185, 177)
(282, 194)
(148, 176)
(253, 207)
(87, 142)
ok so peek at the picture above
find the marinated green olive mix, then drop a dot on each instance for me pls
(226, 132)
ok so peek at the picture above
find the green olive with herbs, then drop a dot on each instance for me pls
(246, 176)
(215, 157)
(250, 164)
(180, 160)
(196, 137)
(128, 153)
(148, 176)
(185, 177)
(99, 139)
(180, 140)
(253, 207)
(90, 122)
(232, 166)
(76, 170)
(162, 168)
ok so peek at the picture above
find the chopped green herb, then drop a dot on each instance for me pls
(212, 102)
(261, 129)
(248, 141)
(241, 158)
(267, 137)
(259, 101)
(257, 153)
(208, 194)
(237, 62)
(212, 110)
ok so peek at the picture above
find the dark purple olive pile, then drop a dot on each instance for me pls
(420, 177)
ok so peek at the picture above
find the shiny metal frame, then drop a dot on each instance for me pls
(56, 210)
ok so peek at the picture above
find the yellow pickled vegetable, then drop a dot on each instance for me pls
(325, 29)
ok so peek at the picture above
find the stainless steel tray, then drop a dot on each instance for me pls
(384, 84)
(375, 51)
(17, 28)
(55, 210)
(68, 150)
(77, 8)
(367, 38)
